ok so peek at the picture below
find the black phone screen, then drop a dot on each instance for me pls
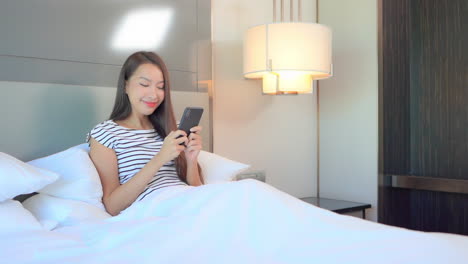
(190, 118)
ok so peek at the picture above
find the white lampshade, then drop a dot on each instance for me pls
(288, 56)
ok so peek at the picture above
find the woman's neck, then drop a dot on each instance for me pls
(133, 122)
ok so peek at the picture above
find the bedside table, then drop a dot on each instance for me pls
(338, 206)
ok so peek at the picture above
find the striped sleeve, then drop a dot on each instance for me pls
(104, 134)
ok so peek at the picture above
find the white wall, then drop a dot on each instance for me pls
(349, 104)
(272, 133)
(278, 133)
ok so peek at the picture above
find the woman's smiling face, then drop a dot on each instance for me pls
(145, 89)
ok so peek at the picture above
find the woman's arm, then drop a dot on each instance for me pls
(192, 151)
(193, 174)
(116, 196)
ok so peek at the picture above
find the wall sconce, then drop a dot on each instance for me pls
(132, 32)
(288, 56)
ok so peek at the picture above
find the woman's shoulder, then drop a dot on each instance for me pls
(107, 125)
(104, 132)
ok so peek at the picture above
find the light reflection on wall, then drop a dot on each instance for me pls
(143, 29)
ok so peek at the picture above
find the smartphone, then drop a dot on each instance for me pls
(190, 118)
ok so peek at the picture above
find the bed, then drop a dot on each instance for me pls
(224, 221)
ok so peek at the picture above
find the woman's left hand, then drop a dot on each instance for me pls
(194, 144)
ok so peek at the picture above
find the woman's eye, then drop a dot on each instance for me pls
(161, 87)
(144, 85)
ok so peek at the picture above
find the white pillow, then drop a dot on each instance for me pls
(83, 146)
(17, 177)
(78, 180)
(14, 218)
(65, 212)
(217, 169)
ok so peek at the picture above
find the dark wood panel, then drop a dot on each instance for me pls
(395, 74)
(426, 210)
(393, 206)
(438, 89)
(424, 114)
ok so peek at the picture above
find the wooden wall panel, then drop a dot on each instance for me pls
(424, 112)
(425, 210)
(396, 112)
(438, 89)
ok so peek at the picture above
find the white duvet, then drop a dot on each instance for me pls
(237, 222)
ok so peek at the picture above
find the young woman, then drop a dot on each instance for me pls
(139, 149)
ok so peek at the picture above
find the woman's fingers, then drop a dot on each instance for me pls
(181, 141)
(196, 129)
(177, 137)
(174, 144)
(193, 148)
(177, 133)
(195, 141)
(180, 148)
(194, 145)
(194, 136)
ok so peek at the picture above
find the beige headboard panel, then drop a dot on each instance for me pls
(39, 119)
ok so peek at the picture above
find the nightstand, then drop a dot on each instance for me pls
(338, 206)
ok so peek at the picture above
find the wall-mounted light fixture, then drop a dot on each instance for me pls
(142, 29)
(288, 56)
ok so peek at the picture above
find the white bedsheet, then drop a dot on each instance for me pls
(238, 222)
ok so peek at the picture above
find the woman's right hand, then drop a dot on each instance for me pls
(172, 147)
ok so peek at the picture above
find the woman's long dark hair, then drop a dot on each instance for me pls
(162, 118)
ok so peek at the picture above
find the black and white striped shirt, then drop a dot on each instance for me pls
(134, 148)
